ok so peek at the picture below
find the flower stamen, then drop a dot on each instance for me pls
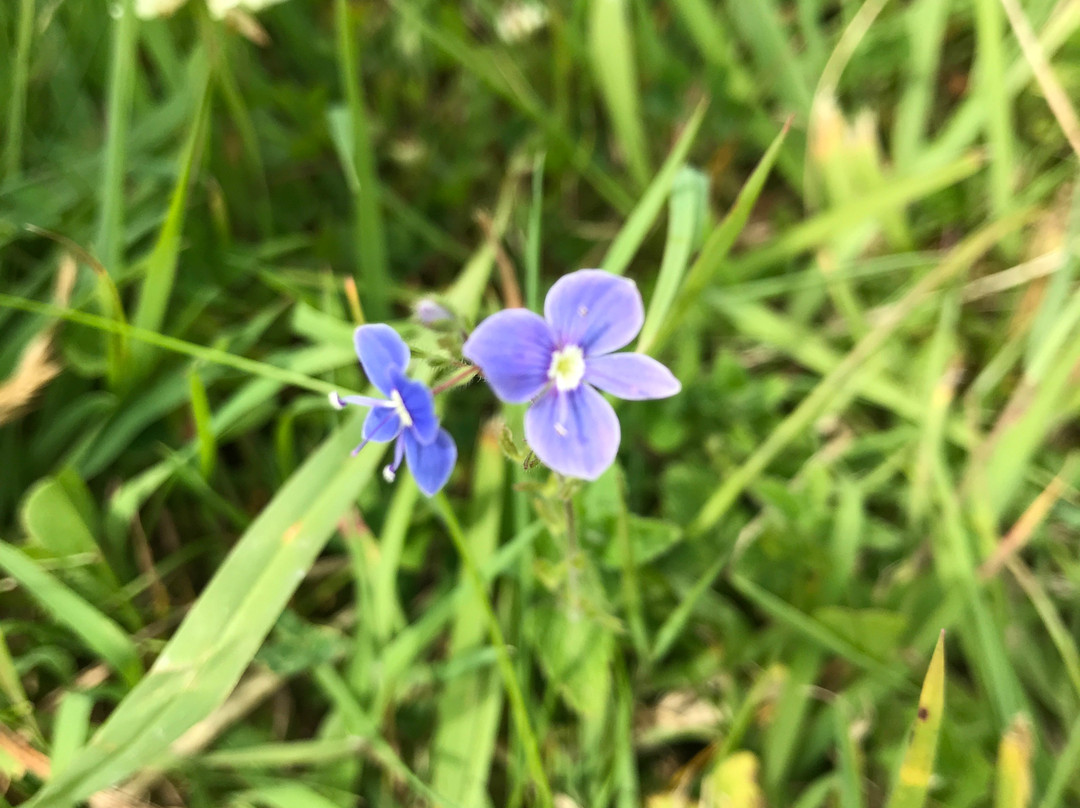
(399, 408)
(567, 368)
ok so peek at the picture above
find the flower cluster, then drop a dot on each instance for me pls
(557, 362)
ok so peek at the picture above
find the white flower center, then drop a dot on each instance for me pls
(399, 408)
(567, 368)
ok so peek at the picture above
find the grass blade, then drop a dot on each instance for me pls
(917, 764)
(1068, 764)
(990, 70)
(373, 271)
(1014, 784)
(70, 729)
(95, 629)
(630, 237)
(611, 46)
(518, 708)
(720, 241)
(160, 275)
(820, 229)
(926, 21)
(686, 214)
(469, 708)
(20, 75)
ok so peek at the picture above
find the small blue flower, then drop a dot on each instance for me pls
(557, 360)
(406, 415)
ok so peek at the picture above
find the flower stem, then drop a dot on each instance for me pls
(573, 579)
(514, 695)
(454, 381)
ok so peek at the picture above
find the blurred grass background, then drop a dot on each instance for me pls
(855, 228)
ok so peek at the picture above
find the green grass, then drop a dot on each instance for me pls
(206, 601)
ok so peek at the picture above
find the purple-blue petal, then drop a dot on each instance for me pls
(339, 402)
(420, 405)
(381, 351)
(574, 433)
(390, 470)
(382, 424)
(513, 350)
(595, 310)
(430, 463)
(631, 376)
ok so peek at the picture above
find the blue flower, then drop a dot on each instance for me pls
(406, 415)
(557, 360)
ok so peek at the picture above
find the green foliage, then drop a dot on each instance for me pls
(854, 227)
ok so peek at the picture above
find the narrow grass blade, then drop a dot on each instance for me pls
(160, 274)
(1057, 287)
(288, 795)
(611, 47)
(820, 229)
(1035, 409)
(920, 752)
(815, 631)
(722, 238)
(99, 632)
(469, 708)
(288, 753)
(1014, 776)
(359, 722)
(215, 36)
(219, 357)
(686, 214)
(518, 708)
(925, 21)
(849, 757)
(991, 88)
(763, 31)
(110, 237)
(630, 237)
(956, 566)
(121, 88)
(204, 431)
(11, 686)
(533, 234)
(70, 728)
(1065, 770)
(373, 271)
(1056, 96)
(791, 683)
(20, 74)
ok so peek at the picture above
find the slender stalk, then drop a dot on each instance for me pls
(454, 381)
(573, 578)
(506, 668)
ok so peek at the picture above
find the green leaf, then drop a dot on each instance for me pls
(611, 46)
